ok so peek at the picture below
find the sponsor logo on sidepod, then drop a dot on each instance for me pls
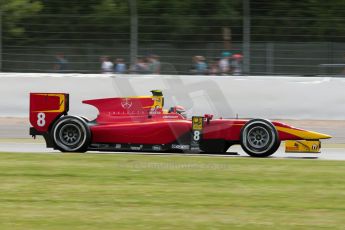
(182, 147)
(157, 148)
(136, 147)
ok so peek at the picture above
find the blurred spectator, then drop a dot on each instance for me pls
(154, 65)
(120, 66)
(60, 64)
(199, 66)
(236, 64)
(140, 66)
(193, 67)
(106, 65)
(214, 70)
(343, 72)
(224, 63)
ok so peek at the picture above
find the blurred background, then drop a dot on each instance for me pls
(262, 37)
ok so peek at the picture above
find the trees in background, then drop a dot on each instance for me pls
(15, 12)
(171, 20)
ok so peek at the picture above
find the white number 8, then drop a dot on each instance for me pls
(41, 119)
(196, 135)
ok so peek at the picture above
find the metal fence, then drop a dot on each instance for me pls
(287, 49)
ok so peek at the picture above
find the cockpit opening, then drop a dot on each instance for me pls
(178, 109)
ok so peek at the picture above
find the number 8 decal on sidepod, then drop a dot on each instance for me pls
(196, 135)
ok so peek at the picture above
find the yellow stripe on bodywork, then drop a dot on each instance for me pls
(303, 134)
(61, 103)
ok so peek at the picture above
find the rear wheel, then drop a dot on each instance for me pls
(71, 134)
(259, 138)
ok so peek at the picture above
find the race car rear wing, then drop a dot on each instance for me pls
(45, 109)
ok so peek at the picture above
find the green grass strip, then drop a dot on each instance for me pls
(124, 191)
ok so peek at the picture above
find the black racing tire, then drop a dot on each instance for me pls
(71, 134)
(259, 138)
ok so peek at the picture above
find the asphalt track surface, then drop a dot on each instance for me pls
(14, 138)
(37, 146)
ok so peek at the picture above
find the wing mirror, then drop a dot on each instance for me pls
(208, 117)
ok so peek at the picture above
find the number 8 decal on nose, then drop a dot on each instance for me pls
(41, 119)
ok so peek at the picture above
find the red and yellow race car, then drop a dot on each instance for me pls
(141, 124)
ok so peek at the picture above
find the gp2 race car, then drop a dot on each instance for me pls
(141, 124)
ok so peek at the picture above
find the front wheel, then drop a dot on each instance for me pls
(259, 138)
(71, 134)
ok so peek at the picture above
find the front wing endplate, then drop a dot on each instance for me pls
(302, 146)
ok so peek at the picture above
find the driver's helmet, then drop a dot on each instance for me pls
(178, 109)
